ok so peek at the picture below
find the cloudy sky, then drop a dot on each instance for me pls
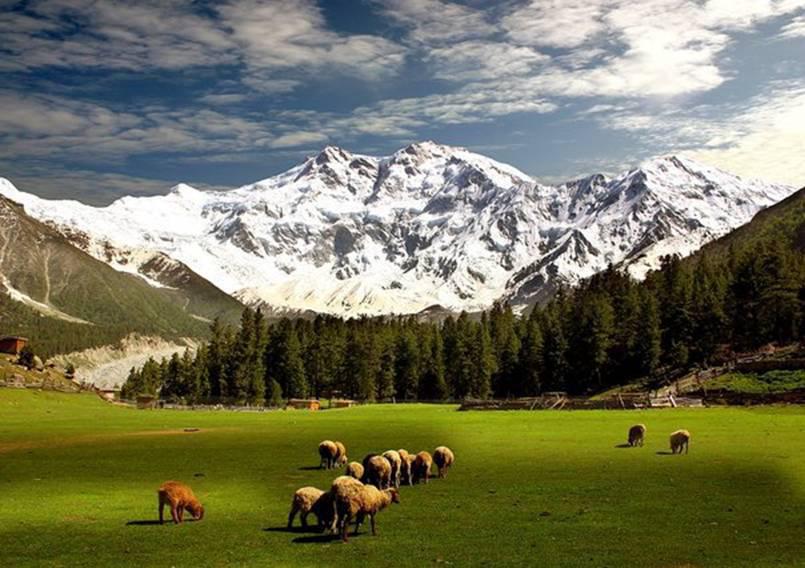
(103, 98)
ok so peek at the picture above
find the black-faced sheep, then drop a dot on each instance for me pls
(340, 455)
(395, 461)
(420, 470)
(443, 458)
(354, 469)
(353, 500)
(308, 500)
(405, 468)
(328, 452)
(378, 472)
(680, 440)
(637, 435)
(180, 497)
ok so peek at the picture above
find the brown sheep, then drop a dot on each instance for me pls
(180, 497)
(308, 500)
(421, 467)
(378, 472)
(353, 500)
(443, 458)
(328, 452)
(679, 441)
(405, 467)
(395, 461)
(354, 469)
(637, 435)
(341, 455)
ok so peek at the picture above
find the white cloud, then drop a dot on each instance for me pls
(763, 137)
(437, 21)
(794, 29)
(476, 60)
(267, 35)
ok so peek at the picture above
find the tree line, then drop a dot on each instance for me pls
(609, 330)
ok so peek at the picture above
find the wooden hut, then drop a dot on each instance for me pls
(12, 344)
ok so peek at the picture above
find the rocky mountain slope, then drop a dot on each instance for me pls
(63, 298)
(430, 225)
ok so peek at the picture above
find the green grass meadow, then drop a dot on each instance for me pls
(78, 481)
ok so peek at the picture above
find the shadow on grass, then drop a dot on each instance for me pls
(310, 468)
(147, 523)
(316, 538)
(665, 453)
(294, 530)
(623, 446)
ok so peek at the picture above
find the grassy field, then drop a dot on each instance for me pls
(78, 480)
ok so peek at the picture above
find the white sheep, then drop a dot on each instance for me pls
(420, 470)
(308, 500)
(443, 458)
(395, 461)
(377, 472)
(354, 469)
(405, 467)
(680, 440)
(353, 500)
(637, 435)
(328, 452)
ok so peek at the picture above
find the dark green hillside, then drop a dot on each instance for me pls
(783, 223)
(76, 301)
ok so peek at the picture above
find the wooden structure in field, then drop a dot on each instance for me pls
(12, 344)
(304, 404)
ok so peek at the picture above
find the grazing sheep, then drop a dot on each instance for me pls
(341, 455)
(443, 458)
(405, 467)
(308, 500)
(637, 434)
(327, 451)
(180, 497)
(395, 461)
(421, 467)
(378, 472)
(679, 440)
(353, 500)
(354, 469)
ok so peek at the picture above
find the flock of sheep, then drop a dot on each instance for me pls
(680, 440)
(366, 488)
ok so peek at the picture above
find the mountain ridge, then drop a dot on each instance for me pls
(351, 234)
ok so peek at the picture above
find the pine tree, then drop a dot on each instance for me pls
(407, 362)
(530, 358)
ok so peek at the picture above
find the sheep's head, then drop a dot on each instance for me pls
(395, 495)
(196, 510)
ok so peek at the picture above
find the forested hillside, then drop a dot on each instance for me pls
(63, 299)
(609, 330)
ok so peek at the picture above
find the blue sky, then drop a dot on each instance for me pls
(101, 98)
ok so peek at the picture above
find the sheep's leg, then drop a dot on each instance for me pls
(161, 511)
(358, 522)
(175, 514)
(374, 529)
(345, 528)
(180, 513)
(303, 517)
(292, 514)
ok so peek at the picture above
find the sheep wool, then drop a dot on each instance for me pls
(637, 435)
(306, 500)
(327, 452)
(443, 458)
(405, 468)
(422, 466)
(354, 469)
(341, 454)
(378, 472)
(395, 461)
(680, 440)
(358, 501)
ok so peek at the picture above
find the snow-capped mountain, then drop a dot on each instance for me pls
(429, 225)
